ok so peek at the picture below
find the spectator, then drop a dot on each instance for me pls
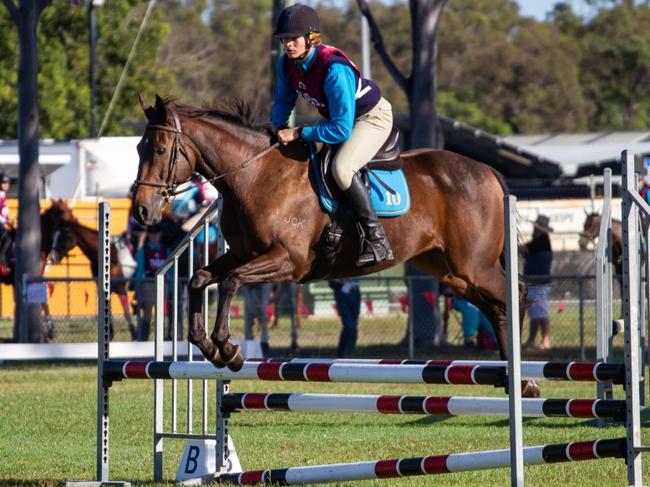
(284, 299)
(5, 222)
(347, 296)
(172, 235)
(148, 259)
(644, 188)
(256, 299)
(423, 310)
(477, 329)
(191, 201)
(537, 269)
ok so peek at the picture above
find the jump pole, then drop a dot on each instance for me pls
(516, 452)
(632, 203)
(429, 405)
(103, 356)
(363, 372)
(604, 331)
(430, 465)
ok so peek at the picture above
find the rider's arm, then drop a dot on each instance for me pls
(340, 87)
(284, 98)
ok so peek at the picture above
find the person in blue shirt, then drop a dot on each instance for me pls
(148, 259)
(355, 115)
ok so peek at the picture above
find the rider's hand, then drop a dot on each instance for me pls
(289, 135)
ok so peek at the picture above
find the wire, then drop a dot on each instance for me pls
(118, 88)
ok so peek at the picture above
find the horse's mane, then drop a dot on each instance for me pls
(234, 110)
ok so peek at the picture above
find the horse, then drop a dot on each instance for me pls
(48, 224)
(275, 227)
(68, 233)
(590, 232)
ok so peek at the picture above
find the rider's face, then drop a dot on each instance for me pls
(295, 47)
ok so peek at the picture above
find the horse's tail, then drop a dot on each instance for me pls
(521, 250)
(520, 241)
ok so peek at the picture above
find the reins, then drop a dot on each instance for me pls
(169, 187)
(237, 168)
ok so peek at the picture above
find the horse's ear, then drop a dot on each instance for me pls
(148, 110)
(161, 108)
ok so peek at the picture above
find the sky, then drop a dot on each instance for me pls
(539, 8)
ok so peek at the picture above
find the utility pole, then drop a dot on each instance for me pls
(92, 75)
(366, 70)
(27, 322)
(276, 46)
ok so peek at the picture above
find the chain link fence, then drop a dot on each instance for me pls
(383, 328)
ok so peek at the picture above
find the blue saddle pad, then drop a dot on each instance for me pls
(387, 204)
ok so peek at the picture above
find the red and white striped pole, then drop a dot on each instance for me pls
(431, 405)
(316, 371)
(430, 465)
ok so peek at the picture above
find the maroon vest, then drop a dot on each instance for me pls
(153, 259)
(309, 83)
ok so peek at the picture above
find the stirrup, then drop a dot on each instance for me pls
(370, 254)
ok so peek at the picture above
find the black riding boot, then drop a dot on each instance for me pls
(374, 247)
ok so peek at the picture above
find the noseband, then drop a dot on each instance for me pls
(169, 187)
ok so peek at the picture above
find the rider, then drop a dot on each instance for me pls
(356, 115)
(5, 222)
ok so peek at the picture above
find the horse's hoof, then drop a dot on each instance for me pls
(216, 360)
(236, 362)
(530, 388)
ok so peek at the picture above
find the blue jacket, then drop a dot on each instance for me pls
(339, 86)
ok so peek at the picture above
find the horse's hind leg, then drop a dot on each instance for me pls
(489, 295)
(487, 291)
(273, 266)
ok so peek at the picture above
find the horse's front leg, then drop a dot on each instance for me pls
(203, 277)
(272, 266)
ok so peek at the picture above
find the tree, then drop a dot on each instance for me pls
(63, 67)
(616, 67)
(27, 323)
(190, 51)
(118, 24)
(420, 86)
(242, 31)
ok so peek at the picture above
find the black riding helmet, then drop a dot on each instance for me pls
(297, 20)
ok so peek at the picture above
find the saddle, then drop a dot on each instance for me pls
(382, 175)
(386, 184)
(387, 158)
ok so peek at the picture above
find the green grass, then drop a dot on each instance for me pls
(47, 432)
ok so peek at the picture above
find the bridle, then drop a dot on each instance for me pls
(589, 237)
(58, 240)
(170, 185)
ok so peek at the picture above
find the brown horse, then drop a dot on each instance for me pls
(274, 225)
(68, 233)
(48, 227)
(49, 222)
(590, 232)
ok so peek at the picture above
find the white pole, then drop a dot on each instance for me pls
(514, 345)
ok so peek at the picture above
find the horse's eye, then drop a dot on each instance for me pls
(160, 150)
